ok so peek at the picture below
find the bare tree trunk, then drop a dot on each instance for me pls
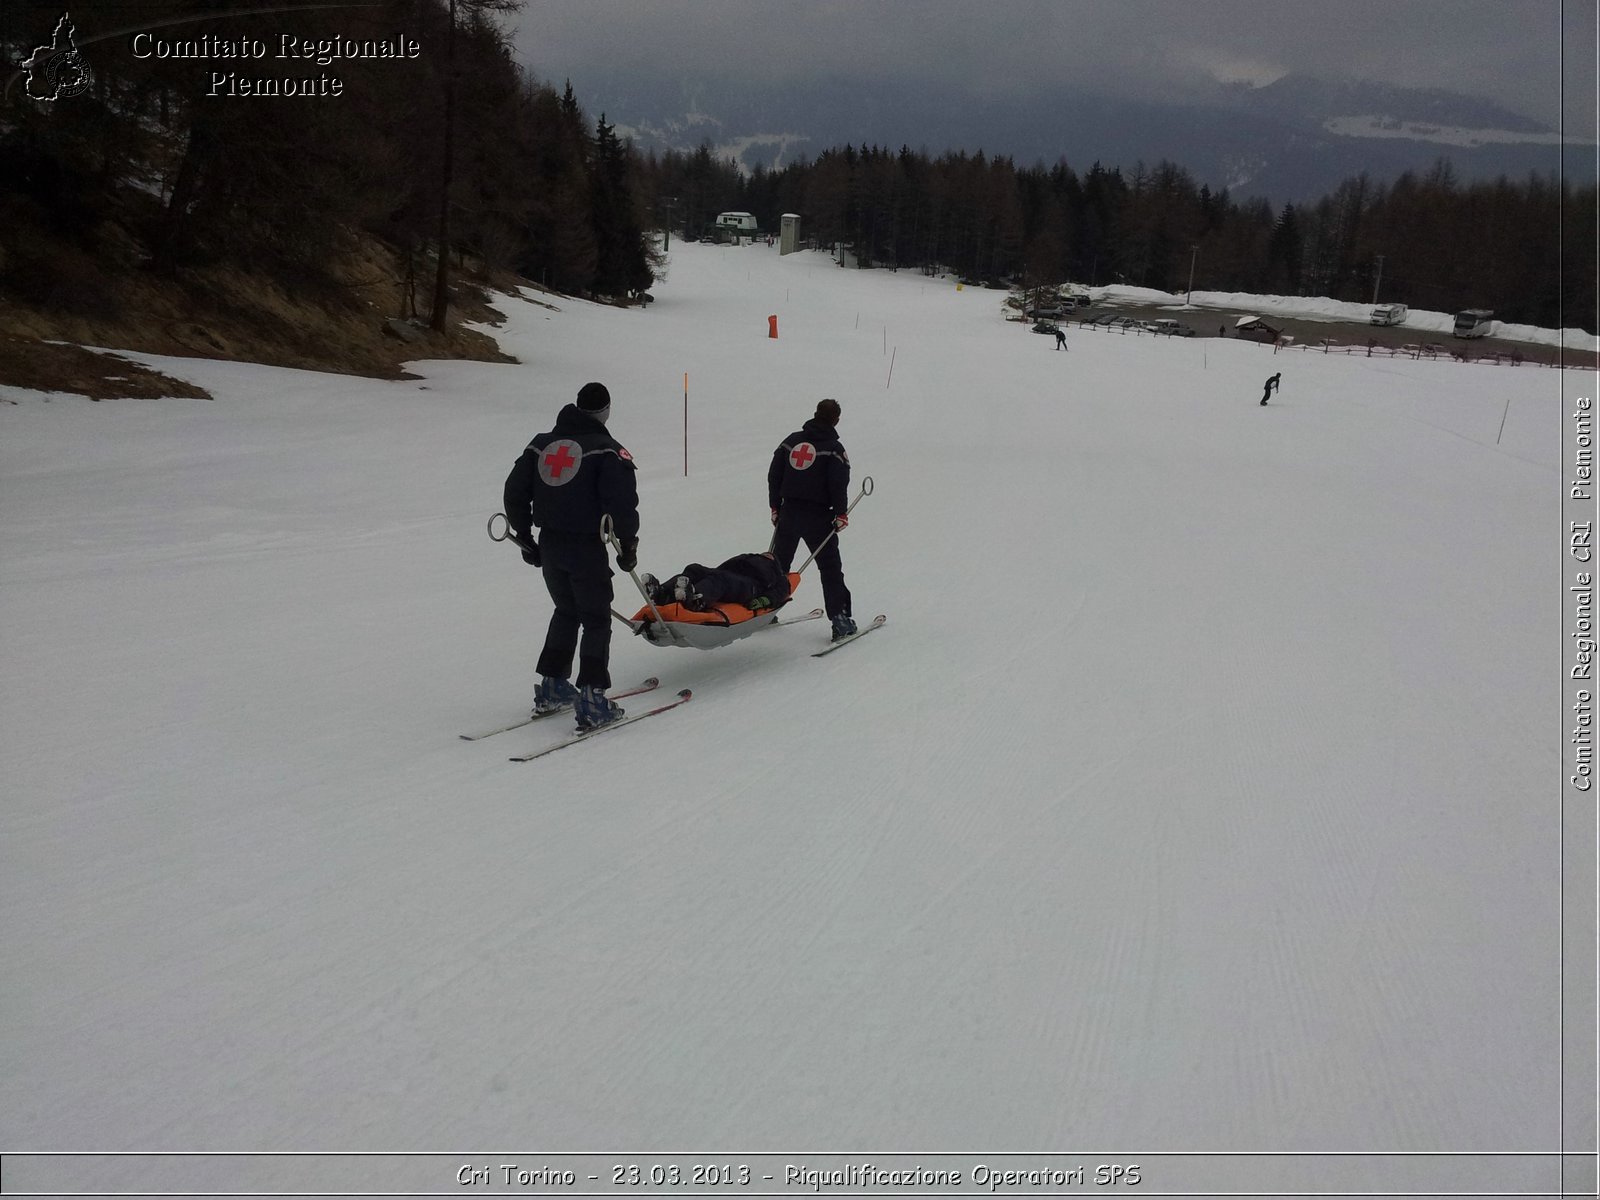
(184, 188)
(408, 289)
(441, 281)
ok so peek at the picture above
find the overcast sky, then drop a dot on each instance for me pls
(1510, 51)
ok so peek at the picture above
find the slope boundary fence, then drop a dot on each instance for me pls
(1434, 352)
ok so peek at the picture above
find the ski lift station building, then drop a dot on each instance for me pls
(739, 224)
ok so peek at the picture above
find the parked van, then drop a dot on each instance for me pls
(1389, 314)
(1473, 323)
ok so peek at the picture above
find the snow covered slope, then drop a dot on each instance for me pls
(1195, 795)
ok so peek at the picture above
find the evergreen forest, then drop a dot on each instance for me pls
(461, 148)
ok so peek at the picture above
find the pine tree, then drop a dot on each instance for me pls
(621, 264)
(1284, 254)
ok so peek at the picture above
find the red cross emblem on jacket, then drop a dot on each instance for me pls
(557, 463)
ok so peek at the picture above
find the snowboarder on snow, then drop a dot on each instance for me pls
(1272, 386)
(807, 486)
(564, 483)
(753, 580)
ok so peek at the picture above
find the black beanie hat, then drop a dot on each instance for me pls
(828, 411)
(595, 400)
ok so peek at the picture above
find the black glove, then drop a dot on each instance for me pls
(628, 555)
(530, 554)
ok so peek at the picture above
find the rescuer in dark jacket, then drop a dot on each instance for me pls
(564, 483)
(807, 489)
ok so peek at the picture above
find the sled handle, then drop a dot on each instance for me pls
(608, 533)
(506, 534)
(866, 490)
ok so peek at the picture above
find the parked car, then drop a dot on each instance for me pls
(1047, 310)
(1169, 327)
(1046, 327)
(1105, 320)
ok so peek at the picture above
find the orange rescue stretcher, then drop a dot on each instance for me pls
(678, 625)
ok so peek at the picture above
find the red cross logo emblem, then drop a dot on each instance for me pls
(802, 456)
(558, 460)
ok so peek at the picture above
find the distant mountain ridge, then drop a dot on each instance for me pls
(1293, 140)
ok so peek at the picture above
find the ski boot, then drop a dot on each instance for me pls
(843, 626)
(594, 710)
(688, 595)
(552, 694)
(652, 587)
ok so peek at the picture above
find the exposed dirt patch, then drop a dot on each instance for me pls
(51, 367)
(95, 286)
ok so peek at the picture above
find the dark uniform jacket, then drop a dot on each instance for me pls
(765, 576)
(567, 479)
(810, 470)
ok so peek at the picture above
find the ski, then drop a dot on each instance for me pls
(813, 615)
(639, 689)
(584, 736)
(875, 623)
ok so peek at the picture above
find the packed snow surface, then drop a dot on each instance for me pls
(1197, 793)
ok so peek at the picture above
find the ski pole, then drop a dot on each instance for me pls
(608, 534)
(866, 490)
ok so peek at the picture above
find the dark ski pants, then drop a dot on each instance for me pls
(812, 526)
(578, 575)
(718, 586)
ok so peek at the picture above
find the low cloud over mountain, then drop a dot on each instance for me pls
(1290, 140)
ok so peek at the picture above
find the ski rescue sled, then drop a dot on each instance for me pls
(679, 625)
